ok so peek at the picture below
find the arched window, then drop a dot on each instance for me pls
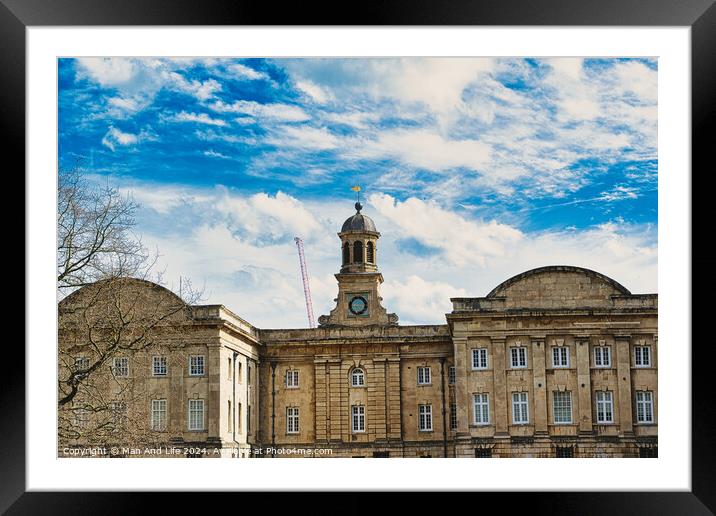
(346, 253)
(370, 256)
(357, 377)
(358, 252)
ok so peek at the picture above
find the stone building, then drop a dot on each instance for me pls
(558, 361)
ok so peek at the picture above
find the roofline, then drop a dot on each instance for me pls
(148, 283)
(559, 268)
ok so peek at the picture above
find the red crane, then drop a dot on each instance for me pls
(306, 288)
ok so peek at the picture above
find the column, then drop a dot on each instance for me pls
(334, 399)
(321, 386)
(540, 386)
(624, 383)
(499, 365)
(393, 397)
(376, 400)
(584, 385)
(461, 395)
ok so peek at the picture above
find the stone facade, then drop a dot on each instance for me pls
(555, 362)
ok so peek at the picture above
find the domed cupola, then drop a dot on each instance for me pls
(359, 222)
(359, 302)
(359, 243)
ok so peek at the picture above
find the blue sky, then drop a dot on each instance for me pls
(473, 169)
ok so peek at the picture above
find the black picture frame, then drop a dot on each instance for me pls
(700, 15)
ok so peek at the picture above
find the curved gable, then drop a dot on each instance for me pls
(129, 298)
(558, 286)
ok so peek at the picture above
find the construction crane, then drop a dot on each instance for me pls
(304, 277)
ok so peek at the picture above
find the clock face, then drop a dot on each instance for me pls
(358, 305)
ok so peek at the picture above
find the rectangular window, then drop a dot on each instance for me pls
(292, 379)
(292, 420)
(196, 365)
(230, 370)
(81, 364)
(451, 375)
(159, 366)
(196, 414)
(562, 407)
(248, 418)
(481, 409)
(453, 416)
(479, 358)
(229, 415)
(518, 357)
(520, 408)
(238, 372)
(81, 417)
(358, 418)
(564, 452)
(238, 417)
(642, 356)
(423, 376)
(644, 407)
(648, 452)
(119, 414)
(560, 356)
(121, 367)
(605, 407)
(425, 418)
(483, 453)
(602, 356)
(159, 415)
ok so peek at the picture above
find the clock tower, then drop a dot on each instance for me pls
(358, 301)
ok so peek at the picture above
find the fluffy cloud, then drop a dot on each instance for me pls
(305, 137)
(461, 241)
(275, 111)
(418, 301)
(428, 150)
(202, 90)
(114, 138)
(313, 91)
(240, 71)
(109, 71)
(200, 118)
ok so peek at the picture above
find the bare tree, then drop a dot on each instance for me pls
(109, 310)
(94, 233)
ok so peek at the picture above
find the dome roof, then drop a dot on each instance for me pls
(359, 222)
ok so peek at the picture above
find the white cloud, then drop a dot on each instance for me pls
(244, 72)
(313, 91)
(576, 97)
(163, 199)
(115, 137)
(460, 240)
(201, 118)
(108, 71)
(267, 217)
(636, 78)
(124, 103)
(305, 137)
(202, 90)
(425, 149)
(284, 112)
(437, 83)
(357, 119)
(214, 154)
(417, 301)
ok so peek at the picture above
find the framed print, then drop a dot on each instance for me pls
(435, 233)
